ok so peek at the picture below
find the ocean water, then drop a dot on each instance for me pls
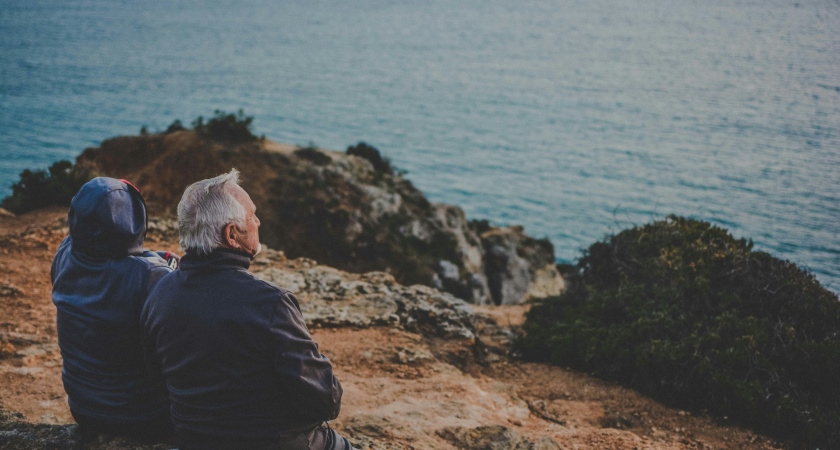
(573, 118)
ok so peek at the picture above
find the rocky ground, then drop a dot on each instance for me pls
(420, 368)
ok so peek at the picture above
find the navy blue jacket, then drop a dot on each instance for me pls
(101, 276)
(240, 365)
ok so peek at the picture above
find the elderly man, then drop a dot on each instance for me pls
(241, 368)
(101, 276)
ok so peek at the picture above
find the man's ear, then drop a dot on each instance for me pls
(229, 236)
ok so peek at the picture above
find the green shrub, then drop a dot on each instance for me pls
(566, 269)
(42, 188)
(175, 126)
(226, 127)
(370, 153)
(480, 225)
(682, 311)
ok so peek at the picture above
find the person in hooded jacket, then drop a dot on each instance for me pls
(101, 276)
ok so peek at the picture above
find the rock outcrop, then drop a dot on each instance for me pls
(332, 298)
(343, 211)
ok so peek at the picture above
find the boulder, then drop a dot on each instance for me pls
(332, 298)
(518, 266)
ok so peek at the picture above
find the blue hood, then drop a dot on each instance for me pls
(107, 219)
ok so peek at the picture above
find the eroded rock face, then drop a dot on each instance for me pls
(340, 210)
(518, 266)
(508, 275)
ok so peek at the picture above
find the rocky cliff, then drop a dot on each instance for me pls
(420, 368)
(346, 211)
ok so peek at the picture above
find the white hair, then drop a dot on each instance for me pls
(205, 209)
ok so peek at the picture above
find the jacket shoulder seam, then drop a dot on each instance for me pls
(268, 284)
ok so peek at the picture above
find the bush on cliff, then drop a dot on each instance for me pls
(226, 127)
(175, 126)
(371, 153)
(682, 311)
(40, 188)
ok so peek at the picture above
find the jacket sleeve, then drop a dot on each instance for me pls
(149, 348)
(305, 373)
(58, 259)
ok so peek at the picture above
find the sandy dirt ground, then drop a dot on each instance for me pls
(401, 389)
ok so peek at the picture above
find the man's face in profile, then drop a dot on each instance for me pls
(249, 238)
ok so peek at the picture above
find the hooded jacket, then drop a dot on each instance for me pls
(240, 365)
(101, 276)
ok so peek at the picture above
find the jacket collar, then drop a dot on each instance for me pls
(219, 259)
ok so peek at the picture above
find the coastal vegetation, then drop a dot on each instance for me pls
(687, 314)
(175, 126)
(41, 188)
(222, 126)
(372, 154)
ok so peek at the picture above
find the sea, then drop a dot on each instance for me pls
(574, 118)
